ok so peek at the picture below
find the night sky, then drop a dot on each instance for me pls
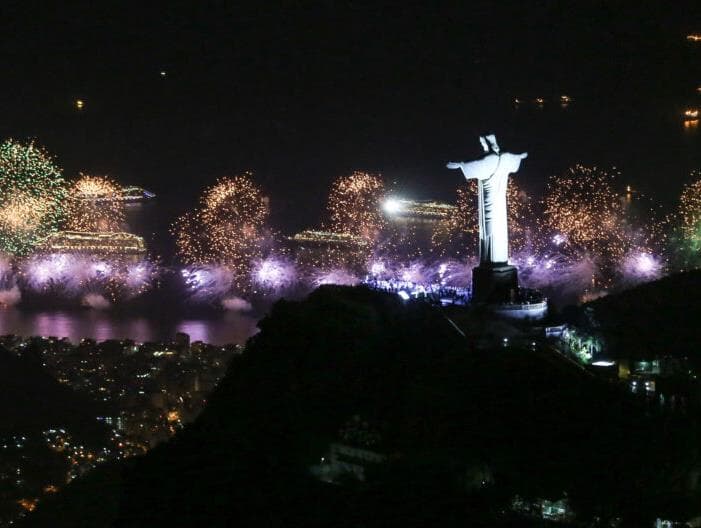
(301, 95)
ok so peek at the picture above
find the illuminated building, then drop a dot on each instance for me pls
(694, 37)
(348, 460)
(95, 243)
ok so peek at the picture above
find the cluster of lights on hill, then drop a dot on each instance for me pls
(563, 100)
(690, 115)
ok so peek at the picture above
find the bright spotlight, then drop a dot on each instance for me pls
(392, 206)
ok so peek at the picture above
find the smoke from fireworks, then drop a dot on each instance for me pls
(32, 195)
(273, 274)
(640, 267)
(9, 291)
(95, 301)
(76, 276)
(94, 205)
(340, 277)
(227, 229)
(557, 275)
(236, 304)
(207, 283)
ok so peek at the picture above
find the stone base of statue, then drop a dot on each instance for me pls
(494, 283)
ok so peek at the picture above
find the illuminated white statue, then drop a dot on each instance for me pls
(492, 175)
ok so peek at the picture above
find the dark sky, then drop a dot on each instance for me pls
(302, 94)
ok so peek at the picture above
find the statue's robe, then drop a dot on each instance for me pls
(492, 175)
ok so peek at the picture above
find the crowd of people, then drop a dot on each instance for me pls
(434, 293)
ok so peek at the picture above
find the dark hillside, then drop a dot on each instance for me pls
(444, 411)
(657, 318)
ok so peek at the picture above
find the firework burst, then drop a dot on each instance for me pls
(354, 205)
(690, 213)
(32, 196)
(640, 266)
(585, 215)
(273, 274)
(228, 229)
(94, 205)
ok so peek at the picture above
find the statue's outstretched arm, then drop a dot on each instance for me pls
(469, 169)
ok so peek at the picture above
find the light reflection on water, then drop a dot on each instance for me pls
(75, 325)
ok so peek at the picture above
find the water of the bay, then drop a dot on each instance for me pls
(219, 329)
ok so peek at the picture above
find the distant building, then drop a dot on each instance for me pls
(546, 509)
(355, 453)
(182, 343)
(349, 460)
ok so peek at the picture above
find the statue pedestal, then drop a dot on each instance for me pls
(495, 283)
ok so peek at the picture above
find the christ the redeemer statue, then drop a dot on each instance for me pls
(492, 175)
